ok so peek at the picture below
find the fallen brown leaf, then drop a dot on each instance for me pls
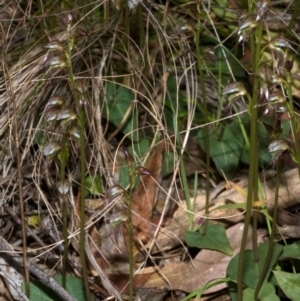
(145, 195)
(206, 266)
(108, 247)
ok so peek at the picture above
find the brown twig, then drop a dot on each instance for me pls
(9, 255)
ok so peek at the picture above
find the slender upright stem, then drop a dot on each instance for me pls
(64, 216)
(294, 122)
(130, 231)
(79, 110)
(206, 116)
(271, 244)
(253, 169)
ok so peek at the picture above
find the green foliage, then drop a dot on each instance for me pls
(93, 185)
(137, 150)
(119, 100)
(214, 238)
(40, 292)
(289, 283)
(168, 164)
(264, 140)
(220, 63)
(226, 147)
(291, 251)
(252, 267)
(267, 293)
(175, 105)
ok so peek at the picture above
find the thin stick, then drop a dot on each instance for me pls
(9, 256)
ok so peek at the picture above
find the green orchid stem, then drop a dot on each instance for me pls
(294, 125)
(141, 28)
(64, 216)
(66, 243)
(253, 169)
(270, 248)
(254, 236)
(79, 110)
(125, 4)
(186, 189)
(130, 231)
(293, 20)
(206, 114)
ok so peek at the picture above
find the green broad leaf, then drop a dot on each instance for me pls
(93, 185)
(168, 163)
(131, 127)
(290, 251)
(264, 139)
(39, 137)
(40, 292)
(168, 115)
(175, 104)
(226, 146)
(139, 149)
(220, 62)
(214, 239)
(267, 293)
(286, 128)
(289, 283)
(118, 100)
(175, 101)
(124, 177)
(252, 268)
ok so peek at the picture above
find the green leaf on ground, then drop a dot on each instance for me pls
(93, 185)
(175, 104)
(168, 163)
(40, 292)
(139, 149)
(226, 146)
(289, 283)
(214, 239)
(290, 251)
(267, 293)
(252, 268)
(118, 99)
(264, 138)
